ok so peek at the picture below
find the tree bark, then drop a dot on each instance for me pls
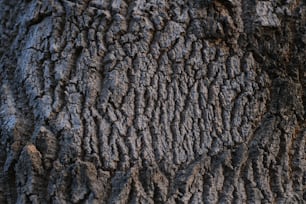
(198, 101)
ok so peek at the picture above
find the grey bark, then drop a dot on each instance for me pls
(152, 101)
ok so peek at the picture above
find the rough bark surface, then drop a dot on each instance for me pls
(155, 101)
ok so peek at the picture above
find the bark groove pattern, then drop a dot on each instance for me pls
(153, 101)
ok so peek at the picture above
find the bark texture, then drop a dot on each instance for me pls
(152, 101)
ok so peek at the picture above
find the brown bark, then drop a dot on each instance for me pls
(197, 101)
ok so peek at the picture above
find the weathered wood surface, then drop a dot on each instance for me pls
(154, 101)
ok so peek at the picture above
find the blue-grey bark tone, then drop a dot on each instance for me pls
(152, 101)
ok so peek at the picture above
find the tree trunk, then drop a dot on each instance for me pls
(198, 101)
